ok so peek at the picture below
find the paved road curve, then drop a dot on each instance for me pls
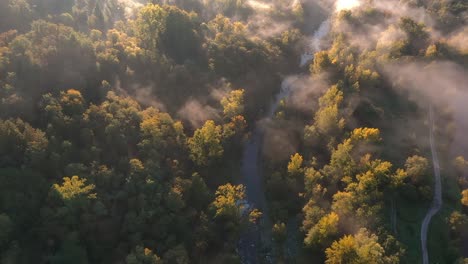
(437, 200)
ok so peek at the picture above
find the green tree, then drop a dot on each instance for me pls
(279, 233)
(233, 54)
(298, 11)
(322, 62)
(417, 36)
(180, 38)
(74, 188)
(360, 248)
(6, 228)
(70, 252)
(230, 210)
(114, 128)
(21, 144)
(464, 199)
(235, 129)
(323, 233)
(228, 201)
(417, 169)
(295, 165)
(176, 255)
(199, 194)
(364, 197)
(73, 103)
(233, 104)
(461, 164)
(149, 26)
(162, 137)
(458, 222)
(327, 119)
(205, 145)
(141, 255)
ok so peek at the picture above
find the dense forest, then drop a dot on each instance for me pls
(233, 131)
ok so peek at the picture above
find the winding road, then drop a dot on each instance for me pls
(437, 200)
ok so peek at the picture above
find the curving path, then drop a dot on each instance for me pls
(437, 200)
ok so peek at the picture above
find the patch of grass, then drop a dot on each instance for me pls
(409, 219)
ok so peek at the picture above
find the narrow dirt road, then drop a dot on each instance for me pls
(437, 200)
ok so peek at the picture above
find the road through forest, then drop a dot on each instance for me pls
(437, 200)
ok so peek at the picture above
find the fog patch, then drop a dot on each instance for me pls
(442, 84)
(280, 139)
(346, 4)
(439, 81)
(305, 90)
(197, 113)
(377, 32)
(130, 7)
(144, 95)
(259, 5)
(459, 40)
(220, 90)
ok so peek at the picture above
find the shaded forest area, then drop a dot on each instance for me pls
(122, 126)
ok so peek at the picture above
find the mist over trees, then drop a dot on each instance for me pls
(123, 124)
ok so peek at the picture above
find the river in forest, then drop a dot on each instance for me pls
(256, 243)
(257, 238)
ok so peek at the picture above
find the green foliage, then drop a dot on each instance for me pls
(72, 102)
(21, 144)
(295, 165)
(205, 145)
(417, 169)
(458, 222)
(360, 248)
(168, 29)
(6, 228)
(461, 165)
(464, 199)
(235, 128)
(417, 35)
(298, 11)
(73, 188)
(322, 63)
(177, 255)
(180, 38)
(254, 216)
(232, 54)
(323, 233)
(142, 256)
(230, 210)
(70, 252)
(327, 119)
(279, 232)
(233, 104)
(365, 134)
(159, 133)
(228, 201)
(150, 25)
